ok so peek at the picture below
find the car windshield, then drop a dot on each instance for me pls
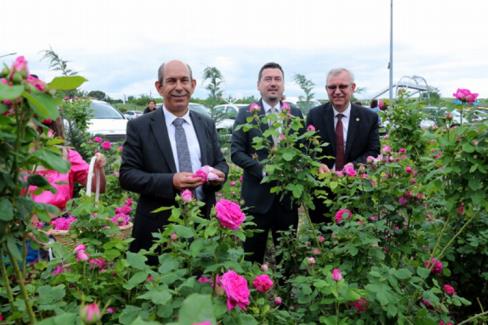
(200, 109)
(104, 111)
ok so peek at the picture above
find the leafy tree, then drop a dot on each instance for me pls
(307, 87)
(58, 64)
(215, 78)
(97, 94)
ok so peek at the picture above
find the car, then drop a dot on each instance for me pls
(199, 108)
(132, 114)
(225, 115)
(304, 106)
(107, 122)
(435, 116)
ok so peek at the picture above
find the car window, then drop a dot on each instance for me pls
(199, 109)
(103, 110)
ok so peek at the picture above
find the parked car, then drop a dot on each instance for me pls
(226, 114)
(132, 114)
(107, 121)
(199, 108)
(435, 116)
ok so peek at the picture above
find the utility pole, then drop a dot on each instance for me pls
(390, 64)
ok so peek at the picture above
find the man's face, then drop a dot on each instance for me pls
(176, 88)
(340, 89)
(271, 85)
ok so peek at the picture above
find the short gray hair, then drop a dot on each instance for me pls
(161, 72)
(336, 71)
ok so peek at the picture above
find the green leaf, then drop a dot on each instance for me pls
(66, 82)
(42, 104)
(52, 160)
(137, 261)
(423, 272)
(140, 321)
(158, 296)
(13, 247)
(10, 92)
(196, 308)
(475, 184)
(63, 319)
(288, 155)
(37, 180)
(50, 295)
(7, 210)
(167, 263)
(183, 231)
(246, 319)
(136, 279)
(403, 274)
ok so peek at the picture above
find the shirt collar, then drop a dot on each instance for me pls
(346, 113)
(170, 117)
(268, 107)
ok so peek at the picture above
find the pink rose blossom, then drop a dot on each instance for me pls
(97, 139)
(62, 223)
(281, 137)
(402, 150)
(149, 278)
(441, 322)
(426, 303)
(336, 275)
(106, 145)
(232, 183)
(435, 264)
(236, 290)
(173, 236)
(204, 279)
(449, 289)
(408, 170)
(186, 196)
(206, 173)
(1, 317)
(361, 305)
(311, 261)
(97, 263)
(229, 214)
(341, 214)
(111, 310)
(20, 65)
(316, 251)
(200, 173)
(465, 95)
(58, 270)
(310, 127)
(207, 322)
(285, 107)
(254, 108)
(386, 149)
(264, 267)
(402, 201)
(321, 239)
(80, 253)
(262, 283)
(370, 159)
(349, 170)
(277, 301)
(38, 84)
(90, 314)
(460, 209)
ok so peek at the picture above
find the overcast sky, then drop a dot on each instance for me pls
(118, 45)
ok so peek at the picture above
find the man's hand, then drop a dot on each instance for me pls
(221, 176)
(323, 169)
(186, 180)
(100, 160)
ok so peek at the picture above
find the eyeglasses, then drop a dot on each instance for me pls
(334, 87)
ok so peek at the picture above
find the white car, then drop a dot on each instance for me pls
(132, 114)
(107, 121)
(226, 114)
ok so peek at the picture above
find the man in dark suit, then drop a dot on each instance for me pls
(268, 211)
(163, 149)
(350, 130)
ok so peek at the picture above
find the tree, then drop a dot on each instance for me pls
(307, 87)
(97, 94)
(215, 82)
(58, 64)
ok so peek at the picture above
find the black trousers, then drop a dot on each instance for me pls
(278, 218)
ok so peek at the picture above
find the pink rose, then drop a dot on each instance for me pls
(38, 84)
(62, 223)
(236, 290)
(386, 149)
(200, 173)
(370, 159)
(106, 145)
(277, 301)
(311, 261)
(460, 209)
(449, 289)
(111, 310)
(264, 267)
(97, 139)
(341, 214)
(441, 322)
(465, 95)
(434, 264)
(349, 170)
(321, 239)
(206, 173)
(229, 214)
(97, 263)
(262, 283)
(80, 253)
(316, 251)
(310, 127)
(207, 322)
(336, 275)
(20, 65)
(361, 305)
(204, 279)
(254, 108)
(90, 314)
(402, 201)
(408, 170)
(173, 236)
(402, 150)
(58, 270)
(285, 107)
(1, 317)
(186, 196)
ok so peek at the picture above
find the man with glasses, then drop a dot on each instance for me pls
(350, 130)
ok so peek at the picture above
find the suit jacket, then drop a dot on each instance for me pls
(148, 167)
(362, 134)
(256, 195)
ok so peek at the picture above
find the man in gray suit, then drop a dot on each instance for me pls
(269, 212)
(163, 149)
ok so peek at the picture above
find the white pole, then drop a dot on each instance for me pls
(390, 66)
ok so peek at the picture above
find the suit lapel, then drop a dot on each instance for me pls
(160, 132)
(329, 125)
(352, 128)
(198, 125)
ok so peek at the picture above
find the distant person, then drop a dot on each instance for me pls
(163, 149)
(375, 108)
(151, 106)
(351, 130)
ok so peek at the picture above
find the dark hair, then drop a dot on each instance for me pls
(270, 65)
(374, 103)
(152, 101)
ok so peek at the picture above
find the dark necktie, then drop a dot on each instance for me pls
(340, 159)
(184, 160)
